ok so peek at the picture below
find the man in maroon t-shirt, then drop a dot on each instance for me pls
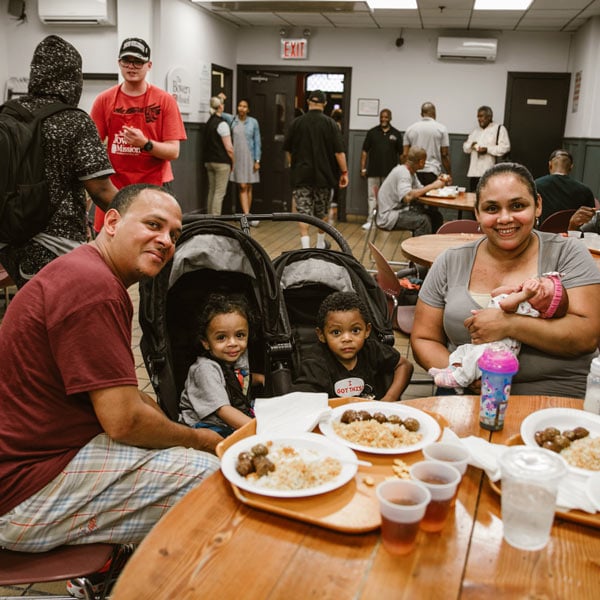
(85, 456)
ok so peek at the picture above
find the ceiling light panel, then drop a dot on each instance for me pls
(502, 4)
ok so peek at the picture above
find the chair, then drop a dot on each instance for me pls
(459, 226)
(58, 564)
(557, 222)
(402, 316)
(368, 239)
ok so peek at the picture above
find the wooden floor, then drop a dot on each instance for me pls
(275, 237)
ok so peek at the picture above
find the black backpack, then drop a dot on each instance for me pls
(24, 198)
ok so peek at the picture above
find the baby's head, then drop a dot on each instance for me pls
(344, 324)
(551, 300)
(224, 327)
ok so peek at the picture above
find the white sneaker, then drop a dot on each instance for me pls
(367, 225)
(254, 223)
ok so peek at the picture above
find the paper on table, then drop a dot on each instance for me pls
(484, 455)
(290, 413)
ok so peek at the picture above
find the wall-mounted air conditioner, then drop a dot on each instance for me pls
(461, 48)
(77, 12)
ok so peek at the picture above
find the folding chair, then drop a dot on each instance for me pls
(459, 226)
(558, 222)
(58, 564)
(402, 315)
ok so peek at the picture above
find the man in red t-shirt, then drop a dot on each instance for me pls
(85, 456)
(140, 122)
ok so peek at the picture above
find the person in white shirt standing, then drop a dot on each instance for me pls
(486, 144)
(432, 136)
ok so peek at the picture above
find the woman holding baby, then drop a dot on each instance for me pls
(555, 353)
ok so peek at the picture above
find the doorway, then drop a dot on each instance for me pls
(276, 95)
(536, 112)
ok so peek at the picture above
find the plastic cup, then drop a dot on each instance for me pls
(530, 478)
(450, 454)
(442, 481)
(402, 504)
(498, 365)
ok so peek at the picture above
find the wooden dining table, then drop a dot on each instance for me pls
(212, 545)
(460, 202)
(424, 249)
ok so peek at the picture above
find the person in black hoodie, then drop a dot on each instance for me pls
(75, 160)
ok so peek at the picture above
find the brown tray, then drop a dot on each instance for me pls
(577, 516)
(352, 508)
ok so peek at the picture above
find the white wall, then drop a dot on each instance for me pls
(403, 78)
(179, 34)
(182, 35)
(585, 122)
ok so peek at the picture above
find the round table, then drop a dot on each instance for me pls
(424, 249)
(212, 545)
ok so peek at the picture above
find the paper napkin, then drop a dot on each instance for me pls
(291, 413)
(572, 492)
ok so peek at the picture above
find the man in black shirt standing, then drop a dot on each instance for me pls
(383, 149)
(315, 152)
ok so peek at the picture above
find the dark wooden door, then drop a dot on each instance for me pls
(536, 111)
(271, 98)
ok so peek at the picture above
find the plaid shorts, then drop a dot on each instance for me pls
(109, 492)
(312, 201)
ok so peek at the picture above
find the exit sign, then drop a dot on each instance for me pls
(294, 49)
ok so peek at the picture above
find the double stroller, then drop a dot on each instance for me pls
(214, 255)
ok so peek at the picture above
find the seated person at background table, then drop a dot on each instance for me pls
(585, 219)
(558, 190)
(85, 455)
(542, 297)
(346, 361)
(486, 145)
(555, 353)
(398, 205)
(217, 393)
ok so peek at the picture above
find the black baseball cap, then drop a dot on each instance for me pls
(318, 97)
(135, 47)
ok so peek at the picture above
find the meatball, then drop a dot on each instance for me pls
(550, 445)
(380, 417)
(244, 467)
(364, 415)
(580, 432)
(561, 441)
(411, 424)
(395, 419)
(260, 450)
(262, 465)
(349, 416)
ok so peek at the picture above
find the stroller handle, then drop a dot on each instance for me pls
(244, 219)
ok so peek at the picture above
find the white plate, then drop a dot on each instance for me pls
(430, 430)
(593, 490)
(310, 444)
(445, 192)
(561, 418)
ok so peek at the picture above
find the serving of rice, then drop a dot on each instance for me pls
(297, 469)
(376, 435)
(583, 453)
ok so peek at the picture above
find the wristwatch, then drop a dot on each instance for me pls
(147, 147)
